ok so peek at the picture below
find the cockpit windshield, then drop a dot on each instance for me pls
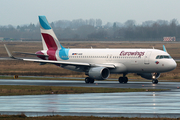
(163, 57)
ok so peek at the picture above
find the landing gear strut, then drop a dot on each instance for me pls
(155, 81)
(123, 79)
(89, 80)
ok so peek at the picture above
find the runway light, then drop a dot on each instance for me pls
(96, 83)
(142, 85)
(178, 87)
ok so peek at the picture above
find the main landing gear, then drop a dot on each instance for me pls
(123, 79)
(89, 80)
(155, 81)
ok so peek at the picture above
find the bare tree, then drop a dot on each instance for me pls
(130, 23)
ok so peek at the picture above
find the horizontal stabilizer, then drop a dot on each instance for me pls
(30, 54)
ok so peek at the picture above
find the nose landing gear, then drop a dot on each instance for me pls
(155, 81)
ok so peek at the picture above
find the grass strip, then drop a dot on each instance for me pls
(6, 90)
(58, 117)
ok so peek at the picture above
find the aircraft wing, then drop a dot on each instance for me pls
(69, 63)
(56, 62)
(59, 62)
(177, 60)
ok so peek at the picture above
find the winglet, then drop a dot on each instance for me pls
(9, 54)
(164, 48)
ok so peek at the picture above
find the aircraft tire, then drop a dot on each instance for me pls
(121, 80)
(155, 81)
(87, 80)
(91, 80)
(125, 80)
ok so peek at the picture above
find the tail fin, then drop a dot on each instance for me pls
(49, 39)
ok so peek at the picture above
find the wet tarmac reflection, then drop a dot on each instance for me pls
(109, 104)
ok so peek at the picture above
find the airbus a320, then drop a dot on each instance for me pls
(98, 64)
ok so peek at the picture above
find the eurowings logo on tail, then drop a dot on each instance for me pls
(50, 42)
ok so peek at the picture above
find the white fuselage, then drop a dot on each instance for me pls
(125, 60)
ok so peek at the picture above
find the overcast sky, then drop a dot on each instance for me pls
(19, 12)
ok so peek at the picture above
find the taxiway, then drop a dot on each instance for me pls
(107, 84)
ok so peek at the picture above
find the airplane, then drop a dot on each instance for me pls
(98, 64)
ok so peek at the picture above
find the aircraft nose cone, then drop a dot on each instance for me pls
(172, 65)
(175, 64)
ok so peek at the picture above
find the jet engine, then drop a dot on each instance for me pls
(150, 76)
(99, 73)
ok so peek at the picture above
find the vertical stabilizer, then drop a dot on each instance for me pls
(49, 39)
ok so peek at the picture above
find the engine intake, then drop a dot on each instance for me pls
(99, 73)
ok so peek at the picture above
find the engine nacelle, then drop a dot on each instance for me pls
(150, 76)
(99, 73)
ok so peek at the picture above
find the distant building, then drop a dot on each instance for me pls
(24, 39)
(1, 38)
(169, 38)
(7, 39)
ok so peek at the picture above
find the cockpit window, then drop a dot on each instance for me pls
(166, 57)
(163, 57)
(157, 57)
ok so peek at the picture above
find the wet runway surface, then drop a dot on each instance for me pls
(108, 84)
(132, 104)
(137, 104)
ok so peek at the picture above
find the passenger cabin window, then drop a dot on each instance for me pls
(163, 57)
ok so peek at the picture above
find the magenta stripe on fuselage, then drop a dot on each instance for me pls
(51, 54)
